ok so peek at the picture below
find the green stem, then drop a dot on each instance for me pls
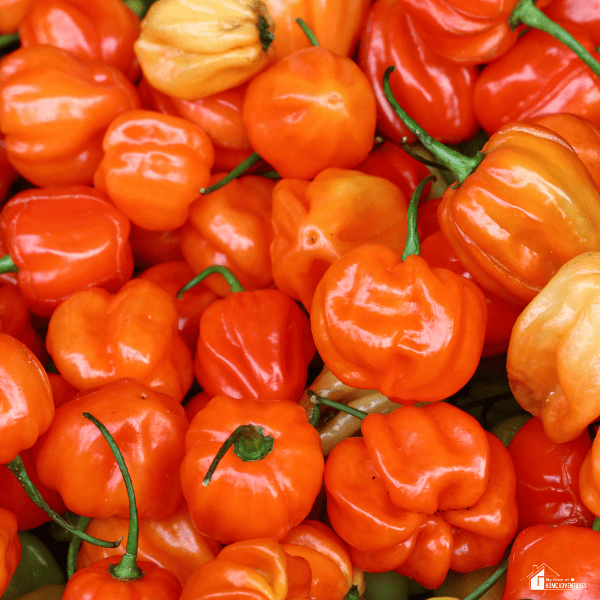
(488, 583)
(319, 400)
(527, 13)
(230, 278)
(238, 171)
(126, 569)
(309, 34)
(421, 159)
(462, 166)
(413, 244)
(18, 470)
(596, 524)
(249, 444)
(74, 545)
(8, 40)
(7, 265)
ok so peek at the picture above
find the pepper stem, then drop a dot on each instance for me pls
(7, 265)
(489, 582)
(318, 401)
(126, 569)
(20, 472)
(462, 166)
(249, 443)
(527, 13)
(596, 524)
(236, 172)
(8, 39)
(75, 544)
(307, 31)
(230, 278)
(413, 244)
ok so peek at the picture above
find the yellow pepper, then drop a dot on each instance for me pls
(552, 361)
(195, 48)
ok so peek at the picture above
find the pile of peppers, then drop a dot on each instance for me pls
(299, 299)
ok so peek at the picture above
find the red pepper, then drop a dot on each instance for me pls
(10, 547)
(585, 13)
(7, 171)
(434, 90)
(153, 247)
(63, 240)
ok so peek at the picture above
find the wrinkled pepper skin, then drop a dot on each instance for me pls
(27, 409)
(512, 244)
(435, 91)
(255, 344)
(537, 75)
(315, 222)
(548, 477)
(195, 49)
(552, 350)
(73, 457)
(92, 30)
(153, 167)
(64, 240)
(10, 548)
(288, 107)
(95, 337)
(54, 110)
(412, 332)
(258, 568)
(172, 543)
(573, 551)
(260, 498)
(429, 490)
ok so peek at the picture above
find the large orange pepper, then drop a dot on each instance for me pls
(424, 490)
(262, 486)
(92, 30)
(63, 240)
(54, 109)
(153, 167)
(552, 352)
(73, 458)
(10, 547)
(315, 222)
(95, 337)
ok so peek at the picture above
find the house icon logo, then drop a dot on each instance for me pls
(545, 578)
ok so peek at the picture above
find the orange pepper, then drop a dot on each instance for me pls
(153, 167)
(95, 337)
(10, 547)
(232, 227)
(92, 30)
(73, 458)
(7, 171)
(11, 14)
(51, 146)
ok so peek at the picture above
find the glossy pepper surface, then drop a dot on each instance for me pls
(95, 337)
(288, 107)
(43, 232)
(315, 222)
(434, 90)
(243, 499)
(54, 109)
(550, 361)
(195, 49)
(74, 459)
(153, 167)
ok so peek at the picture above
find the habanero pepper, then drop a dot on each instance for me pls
(10, 548)
(585, 13)
(589, 480)
(54, 109)
(153, 167)
(62, 240)
(392, 323)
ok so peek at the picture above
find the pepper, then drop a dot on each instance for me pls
(73, 458)
(10, 548)
(54, 109)
(12, 13)
(7, 172)
(262, 486)
(37, 567)
(434, 90)
(232, 227)
(537, 75)
(92, 30)
(195, 49)
(582, 12)
(589, 480)
(550, 360)
(153, 247)
(153, 167)
(315, 222)
(52, 591)
(62, 240)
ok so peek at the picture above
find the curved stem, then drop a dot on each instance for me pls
(527, 13)
(413, 244)
(489, 582)
(462, 166)
(319, 400)
(18, 470)
(238, 171)
(75, 544)
(249, 443)
(230, 278)
(127, 568)
(309, 34)
(7, 265)
(421, 159)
